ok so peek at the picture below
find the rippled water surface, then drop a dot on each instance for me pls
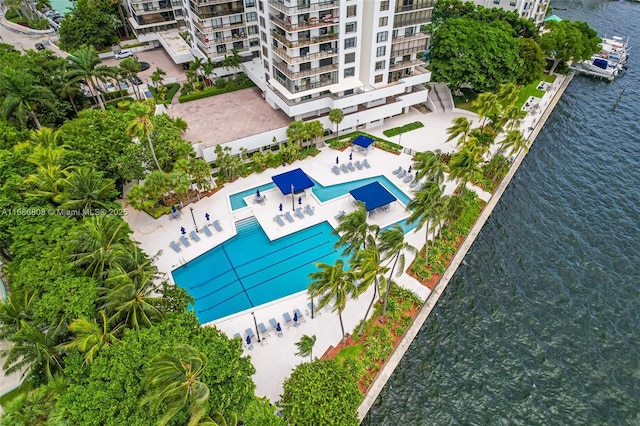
(541, 323)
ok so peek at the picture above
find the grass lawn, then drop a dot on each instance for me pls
(352, 352)
(464, 101)
(529, 90)
(549, 78)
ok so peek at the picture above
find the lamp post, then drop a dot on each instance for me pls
(293, 201)
(256, 324)
(194, 219)
(357, 124)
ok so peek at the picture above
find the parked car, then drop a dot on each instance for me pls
(124, 54)
(136, 80)
(40, 46)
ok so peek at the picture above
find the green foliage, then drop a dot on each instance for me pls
(261, 412)
(168, 142)
(490, 44)
(321, 393)
(172, 89)
(533, 61)
(238, 83)
(403, 129)
(89, 23)
(569, 40)
(345, 140)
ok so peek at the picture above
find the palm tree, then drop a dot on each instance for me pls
(70, 90)
(123, 20)
(157, 76)
(296, 132)
(507, 94)
(487, 105)
(175, 381)
(422, 209)
(207, 71)
(83, 67)
(180, 124)
(333, 282)
(305, 346)
(464, 167)
(141, 125)
(315, 129)
(18, 307)
(394, 246)
(429, 164)
(85, 189)
(461, 127)
(353, 230)
(132, 302)
(232, 61)
(91, 337)
(336, 116)
(98, 244)
(369, 269)
(47, 182)
(513, 142)
(129, 68)
(36, 407)
(22, 96)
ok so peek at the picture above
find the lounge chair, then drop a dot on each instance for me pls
(299, 314)
(207, 231)
(335, 170)
(288, 321)
(340, 214)
(350, 166)
(299, 213)
(249, 332)
(216, 224)
(278, 219)
(398, 170)
(274, 324)
(344, 168)
(194, 236)
(409, 178)
(308, 210)
(263, 329)
(174, 246)
(414, 184)
(313, 309)
(401, 174)
(237, 335)
(366, 163)
(358, 165)
(184, 241)
(288, 216)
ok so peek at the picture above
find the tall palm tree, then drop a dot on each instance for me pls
(507, 94)
(174, 381)
(429, 164)
(36, 407)
(85, 189)
(99, 243)
(422, 209)
(129, 68)
(330, 283)
(353, 230)
(369, 269)
(91, 337)
(464, 167)
(336, 116)
(132, 302)
(49, 142)
(513, 115)
(207, 71)
(305, 346)
(157, 76)
(141, 125)
(18, 307)
(125, 24)
(393, 245)
(513, 142)
(461, 127)
(48, 182)
(83, 67)
(22, 95)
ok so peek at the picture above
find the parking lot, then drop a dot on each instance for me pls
(156, 58)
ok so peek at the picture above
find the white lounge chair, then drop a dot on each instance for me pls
(216, 224)
(278, 219)
(340, 214)
(335, 170)
(174, 246)
(358, 165)
(308, 210)
(344, 169)
(350, 166)
(398, 170)
(409, 178)
(288, 216)
(366, 163)
(402, 174)
(194, 236)
(288, 321)
(207, 231)
(184, 241)
(298, 314)
(299, 213)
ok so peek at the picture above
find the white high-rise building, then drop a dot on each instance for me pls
(527, 9)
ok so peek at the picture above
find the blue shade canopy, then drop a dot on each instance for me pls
(297, 178)
(552, 18)
(363, 141)
(373, 195)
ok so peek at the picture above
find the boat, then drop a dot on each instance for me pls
(608, 62)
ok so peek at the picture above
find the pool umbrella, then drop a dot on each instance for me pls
(350, 156)
(280, 207)
(295, 317)
(248, 340)
(299, 200)
(257, 193)
(409, 169)
(184, 231)
(337, 160)
(206, 216)
(278, 328)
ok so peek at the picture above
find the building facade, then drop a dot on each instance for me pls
(527, 9)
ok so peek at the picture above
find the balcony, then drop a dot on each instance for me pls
(306, 73)
(399, 23)
(304, 58)
(312, 22)
(294, 10)
(209, 2)
(406, 64)
(303, 42)
(293, 88)
(414, 37)
(209, 29)
(415, 6)
(206, 12)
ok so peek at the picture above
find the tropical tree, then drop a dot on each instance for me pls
(464, 167)
(422, 209)
(129, 68)
(47, 182)
(487, 105)
(333, 283)
(297, 132)
(305, 346)
(336, 116)
(18, 307)
(353, 230)
(513, 142)
(207, 71)
(35, 407)
(461, 127)
(22, 96)
(315, 129)
(393, 245)
(90, 337)
(157, 76)
(141, 125)
(84, 189)
(181, 124)
(175, 381)
(124, 24)
(429, 164)
(567, 40)
(232, 62)
(84, 67)
(369, 269)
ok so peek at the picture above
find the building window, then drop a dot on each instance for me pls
(349, 72)
(253, 42)
(260, 7)
(221, 48)
(350, 27)
(250, 3)
(512, 4)
(252, 16)
(496, 1)
(380, 65)
(252, 29)
(382, 22)
(349, 58)
(349, 42)
(216, 22)
(265, 52)
(384, 5)
(235, 19)
(381, 51)
(351, 11)
(262, 22)
(382, 36)
(408, 32)
(263, 36)
(378, 78)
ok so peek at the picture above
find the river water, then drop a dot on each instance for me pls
(541, 323)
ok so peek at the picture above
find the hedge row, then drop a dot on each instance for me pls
(172, 89)
(213, 91)
(395, 131)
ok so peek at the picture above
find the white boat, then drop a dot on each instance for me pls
(607, 63)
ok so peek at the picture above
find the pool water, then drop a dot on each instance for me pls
(237, 200)
(250, 270)
(62, 6)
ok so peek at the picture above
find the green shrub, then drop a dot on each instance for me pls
(237, 84)
(124, 105)
(403, 129)
(172, 88)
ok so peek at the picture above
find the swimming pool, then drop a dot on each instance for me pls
(324, 193)
(249, 270)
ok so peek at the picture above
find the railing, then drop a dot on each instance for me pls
(408, 50)
(218, 40)
(304, 58)
(303, 42)
(415, 6)
(288, 84)
(209, 2)
(140, 11)
(398, 23)
(212, 13)
(311, 23)
(295, 75)
(293, 10)
(406, 64)
(209, 29)
(413, 37)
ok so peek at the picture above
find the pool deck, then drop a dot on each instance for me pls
(275, 358)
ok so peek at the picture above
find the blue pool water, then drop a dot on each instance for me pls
(250, 270)
(324, 193)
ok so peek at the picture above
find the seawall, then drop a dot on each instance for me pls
(393, 361)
